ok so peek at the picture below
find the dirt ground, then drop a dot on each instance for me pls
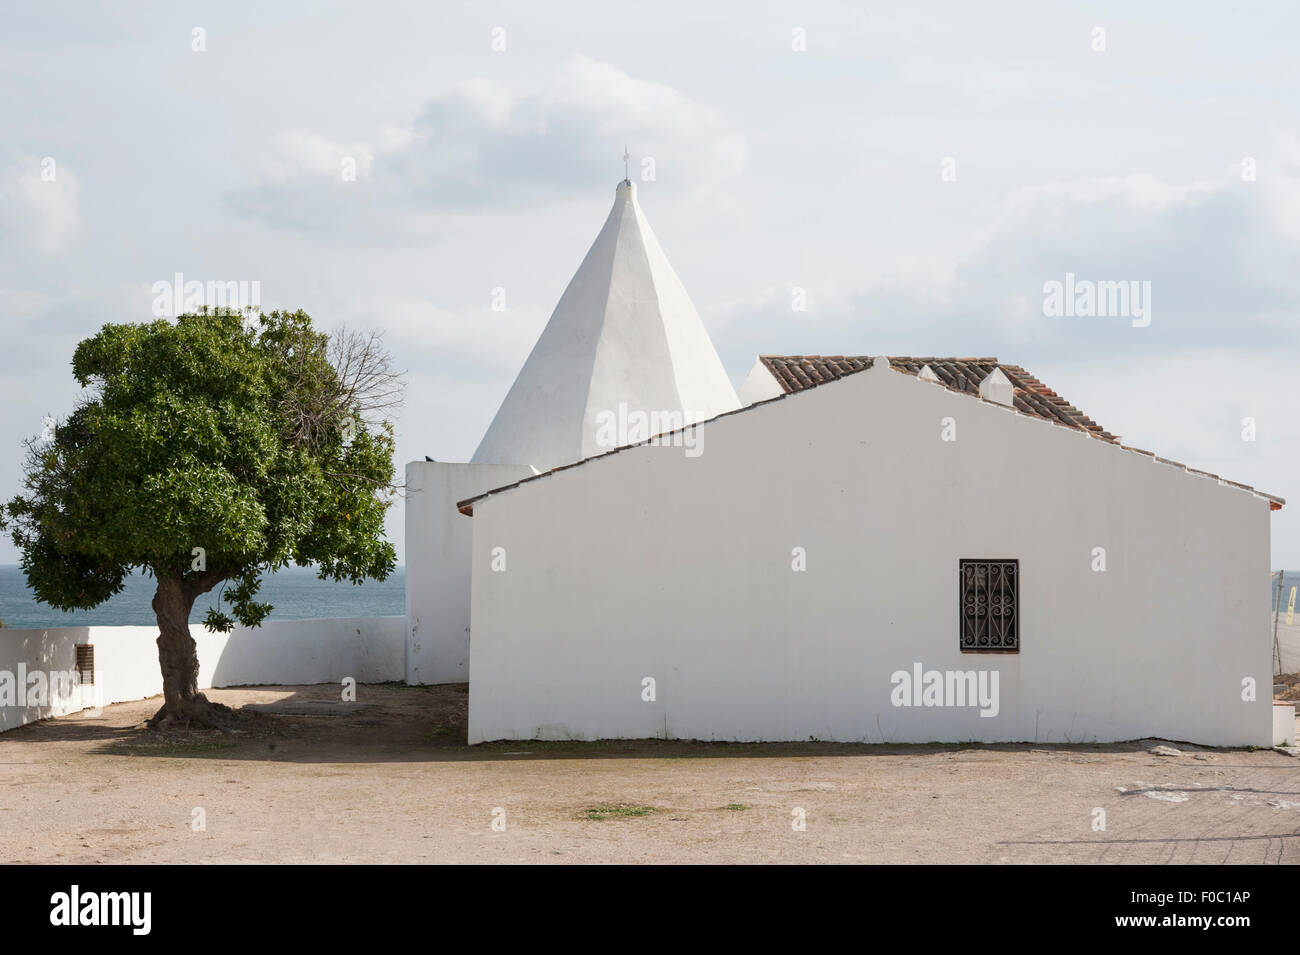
(389, 779)
(1292, 683)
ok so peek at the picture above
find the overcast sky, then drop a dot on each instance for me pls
(1163, 149)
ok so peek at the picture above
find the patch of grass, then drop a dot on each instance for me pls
(619, 811)
(541, 746)
(736, 806)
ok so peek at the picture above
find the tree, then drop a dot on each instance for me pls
(210, 450)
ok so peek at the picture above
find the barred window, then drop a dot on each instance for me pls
(989, 603)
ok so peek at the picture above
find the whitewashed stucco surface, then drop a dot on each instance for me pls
(289, 652)
(438, 543)
(624, 332)
(649, 563)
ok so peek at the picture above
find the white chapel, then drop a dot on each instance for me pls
(857, 548)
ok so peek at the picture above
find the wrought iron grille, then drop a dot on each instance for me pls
(989, 604)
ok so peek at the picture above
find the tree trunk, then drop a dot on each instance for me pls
(178, 657)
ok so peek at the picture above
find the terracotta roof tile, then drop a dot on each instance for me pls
(801, 372)
(1032, 397)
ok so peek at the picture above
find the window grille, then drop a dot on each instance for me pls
(989, 605)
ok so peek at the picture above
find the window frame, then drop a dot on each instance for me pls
(988, 562)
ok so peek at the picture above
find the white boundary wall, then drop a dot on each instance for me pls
(292, 652)
(438, 543)
(647, 563)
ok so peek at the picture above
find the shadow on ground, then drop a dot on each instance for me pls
(393, 722)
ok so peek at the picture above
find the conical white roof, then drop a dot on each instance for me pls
(623, 339)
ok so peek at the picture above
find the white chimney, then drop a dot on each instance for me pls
(997, 387)
(927, 374)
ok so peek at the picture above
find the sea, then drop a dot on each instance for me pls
(296, 593)
(1290, 579)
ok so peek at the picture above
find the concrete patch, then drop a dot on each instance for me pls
(1153, 792)
(1165, 796)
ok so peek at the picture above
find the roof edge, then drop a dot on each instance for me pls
(1276, 503)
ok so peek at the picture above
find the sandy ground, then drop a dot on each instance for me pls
(388, 779)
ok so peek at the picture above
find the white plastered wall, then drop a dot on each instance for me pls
(438, 545)
(759, 385)
(288, 652)
(649, 563)
(623, 333)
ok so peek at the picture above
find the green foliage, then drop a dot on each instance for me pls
(619, 811)
(231, 434)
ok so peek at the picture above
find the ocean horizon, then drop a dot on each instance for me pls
(296, 593)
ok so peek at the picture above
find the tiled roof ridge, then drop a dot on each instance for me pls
(1030, 385)
(797, 372)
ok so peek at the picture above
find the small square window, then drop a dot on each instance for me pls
(990, 619)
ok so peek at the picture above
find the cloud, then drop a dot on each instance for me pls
(39, 203)
(298, 151)
(1218, 259)
(481, 146)
(1279, 180)
(1193, 406)
(1190, 406)
(473, 344)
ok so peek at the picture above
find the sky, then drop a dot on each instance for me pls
(916, 174)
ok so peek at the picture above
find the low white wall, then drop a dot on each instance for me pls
(1283, 724)
(439, 540)
(300, 652)
(292, 652)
